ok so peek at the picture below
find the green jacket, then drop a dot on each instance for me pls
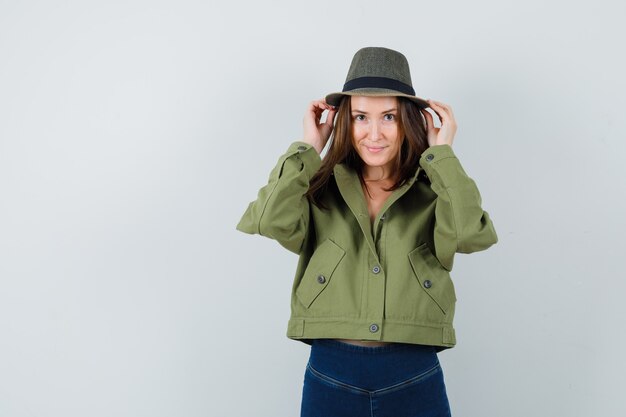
(386, 281)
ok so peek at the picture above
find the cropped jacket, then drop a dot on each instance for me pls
(386, 280)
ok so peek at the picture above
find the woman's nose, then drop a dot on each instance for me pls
(374, 132)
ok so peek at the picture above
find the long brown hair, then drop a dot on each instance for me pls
(412, 127)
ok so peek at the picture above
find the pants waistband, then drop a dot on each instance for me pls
(371, 367)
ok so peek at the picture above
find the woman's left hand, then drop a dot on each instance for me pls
(443, 135)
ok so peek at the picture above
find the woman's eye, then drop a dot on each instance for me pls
(359, 117)
(390, 117)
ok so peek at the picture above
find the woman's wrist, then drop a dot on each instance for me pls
(315, 144)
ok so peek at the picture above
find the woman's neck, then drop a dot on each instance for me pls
(374, 174)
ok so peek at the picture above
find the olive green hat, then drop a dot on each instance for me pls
(378, 72)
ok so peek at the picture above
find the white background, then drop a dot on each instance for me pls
(133, 134)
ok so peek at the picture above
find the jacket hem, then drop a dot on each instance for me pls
(442, 336)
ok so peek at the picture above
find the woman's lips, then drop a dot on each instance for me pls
(375, 149)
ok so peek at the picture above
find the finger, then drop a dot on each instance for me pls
(438, 106)
(317, 107)
(317, 114)
(440, 103)
(444, 113)
(321, 104)
(442, 106)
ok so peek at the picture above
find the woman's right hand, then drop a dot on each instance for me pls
(316, 133)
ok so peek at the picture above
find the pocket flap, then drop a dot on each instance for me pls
(319, 271)
(432, 277)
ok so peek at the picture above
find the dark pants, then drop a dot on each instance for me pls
(396, 380)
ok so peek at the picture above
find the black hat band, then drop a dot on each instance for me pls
(378, 82)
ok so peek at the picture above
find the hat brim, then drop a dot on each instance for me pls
(335, 98)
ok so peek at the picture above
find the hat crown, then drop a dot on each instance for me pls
(377, 71)
(379, 62)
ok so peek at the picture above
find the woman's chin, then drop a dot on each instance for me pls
(375, 162)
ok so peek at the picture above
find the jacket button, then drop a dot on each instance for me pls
(302, 148)
(321, 279)
(374, 328)
(376, 269)
(430, 157)
(428, 284)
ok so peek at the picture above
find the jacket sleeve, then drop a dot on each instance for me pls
(281, 210)
(461, 225)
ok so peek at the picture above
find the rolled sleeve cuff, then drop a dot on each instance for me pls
(441, 165)
(434, 154)
(306, 153)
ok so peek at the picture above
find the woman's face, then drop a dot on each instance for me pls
(375, 131)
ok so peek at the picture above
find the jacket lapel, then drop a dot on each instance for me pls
(395, 195)
(350, 189)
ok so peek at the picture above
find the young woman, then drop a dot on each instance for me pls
(376, 224)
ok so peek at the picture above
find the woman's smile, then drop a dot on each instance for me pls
(375, 149)
(376, 136)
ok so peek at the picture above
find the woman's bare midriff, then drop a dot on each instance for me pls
(365, 343)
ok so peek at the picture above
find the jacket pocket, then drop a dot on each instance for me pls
(432, 277)
(319, 271)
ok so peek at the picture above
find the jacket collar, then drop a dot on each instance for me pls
(352, 192)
